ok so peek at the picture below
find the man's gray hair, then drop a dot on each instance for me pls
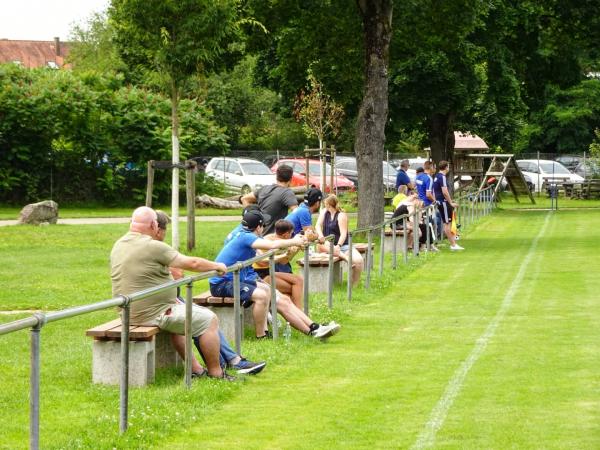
(405, 163)
(163, 219)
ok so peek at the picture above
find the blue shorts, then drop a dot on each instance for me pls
(281, 268)
(225, 289)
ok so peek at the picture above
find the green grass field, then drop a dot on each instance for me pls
(495, 347)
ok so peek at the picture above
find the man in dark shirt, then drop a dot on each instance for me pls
(402, 177)
(274, 200)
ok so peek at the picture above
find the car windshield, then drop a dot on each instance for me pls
(256, 168)
(554, 168)
(315, 169)
(389, 170)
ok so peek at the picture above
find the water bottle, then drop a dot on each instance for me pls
(287, 332)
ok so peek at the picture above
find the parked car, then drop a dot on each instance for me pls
(346, 166)
(240, 175)
(569, 161)
(588, 169)
(543, 171)
(340, 182)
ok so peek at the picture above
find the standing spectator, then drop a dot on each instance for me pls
(332, 220)
(445, 203)
(402, 178)
(274, 200)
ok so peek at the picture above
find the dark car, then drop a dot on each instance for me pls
(569, 161)
(588, 169)
(347, 166)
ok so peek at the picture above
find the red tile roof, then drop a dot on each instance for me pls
(34, 53)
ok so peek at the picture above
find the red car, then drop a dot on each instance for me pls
(314, 179)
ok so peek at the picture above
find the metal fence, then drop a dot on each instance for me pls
(472, 207)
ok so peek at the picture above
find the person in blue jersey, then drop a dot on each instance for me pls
(253, 291)
(227, 356)
(301, 217)
(402, 178)
(445, 203)
(239, 227)
(424, 183)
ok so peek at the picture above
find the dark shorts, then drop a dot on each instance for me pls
(282, 268)
(445, 210)
(225, 289)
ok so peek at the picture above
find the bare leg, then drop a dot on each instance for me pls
(292, 314)
(260, 297)
(449, 235)
(210, 344)
(178, 342)
(290, 284)
(357, 267)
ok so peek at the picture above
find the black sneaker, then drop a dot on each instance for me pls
(248, 367)
(224, 376)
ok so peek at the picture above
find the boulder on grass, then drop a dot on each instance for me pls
(45, 212)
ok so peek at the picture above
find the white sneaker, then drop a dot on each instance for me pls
(325, 331)
(456, 247)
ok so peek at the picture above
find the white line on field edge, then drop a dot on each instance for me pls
(440, 411)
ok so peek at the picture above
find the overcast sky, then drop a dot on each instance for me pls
(42, 20)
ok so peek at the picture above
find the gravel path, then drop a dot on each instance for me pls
(103, 220)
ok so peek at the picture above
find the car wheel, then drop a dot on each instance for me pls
(246, 189)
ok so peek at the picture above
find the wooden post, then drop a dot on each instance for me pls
(150, 184)
(190, 189)
(307, 170)
(332, 164)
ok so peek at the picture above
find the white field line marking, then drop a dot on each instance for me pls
(438, 415)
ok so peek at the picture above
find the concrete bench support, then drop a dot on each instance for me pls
(388, 242)
(318, 273)
(149, 348)
(223, 308)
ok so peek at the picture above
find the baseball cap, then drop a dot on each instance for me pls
(252, 219)
(249, 208)
(312, 196)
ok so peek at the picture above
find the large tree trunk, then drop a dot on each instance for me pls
(372, 115)
(175, 160)
(441, 140)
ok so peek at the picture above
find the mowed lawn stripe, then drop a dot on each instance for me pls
(375, 384)
(537, 384)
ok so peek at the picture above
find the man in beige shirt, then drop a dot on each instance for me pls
(140, 262)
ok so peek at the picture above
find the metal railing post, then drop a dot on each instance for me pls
(124, 387)
(306, 279)
(237, 312)
(394, 243)
(369, 259)
(381, 250)
(275, 323)
(349, 291)
(416, 232)
(189, 300)
(405, 240)
(34, 384)
(330, 279)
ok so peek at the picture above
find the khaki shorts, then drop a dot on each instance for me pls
(175, 321)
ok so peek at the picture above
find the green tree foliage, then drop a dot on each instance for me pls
(81, 137)
(566, 124)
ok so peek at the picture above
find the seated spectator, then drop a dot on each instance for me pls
(332, 220)
(139, 262)
(242, 247)
(227, 356)
(301, 217)
(407, 206)
(286, 282)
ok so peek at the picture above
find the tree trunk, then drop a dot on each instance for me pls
(175, 160)
(372, 115)
(441, 141)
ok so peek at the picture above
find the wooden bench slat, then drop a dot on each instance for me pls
(100, 330)
(135, 332)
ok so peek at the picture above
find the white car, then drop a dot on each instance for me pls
(240, 175)
(544, 171)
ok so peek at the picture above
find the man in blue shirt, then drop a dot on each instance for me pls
(445, 203)
(242, 247)
(301, 217)
(424, 184)
(402, 178)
